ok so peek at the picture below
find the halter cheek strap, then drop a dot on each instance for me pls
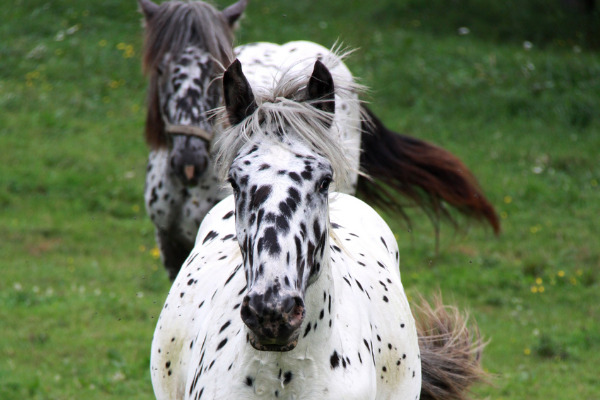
(189, 130)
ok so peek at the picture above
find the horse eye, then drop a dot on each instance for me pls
(234, 186)
(324, 185)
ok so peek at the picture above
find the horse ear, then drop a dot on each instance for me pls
(235, 11)
(321, 91)
(148, 8)
(239, 100)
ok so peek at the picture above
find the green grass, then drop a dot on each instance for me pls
(81, 285)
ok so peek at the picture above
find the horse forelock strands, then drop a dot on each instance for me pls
(284, 107)
(175, 26)
(450, 348)
(311, 124)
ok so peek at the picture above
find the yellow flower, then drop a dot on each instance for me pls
(534, 289)
(535, 229)
(538, 281)
(142, 248)
(128, 51)
(527, 351)
(507, 199)
(102, 43)
(503, 215)
(573, 281)
(121, 46)
(541, 289)
(561, 274)
(155, 253)
(135, 208)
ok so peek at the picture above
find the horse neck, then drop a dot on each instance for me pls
(319, 327)
(320, 296)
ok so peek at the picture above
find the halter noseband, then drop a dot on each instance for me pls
(189, 130)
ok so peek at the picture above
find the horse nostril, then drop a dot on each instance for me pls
(295, 312)
(249, 316)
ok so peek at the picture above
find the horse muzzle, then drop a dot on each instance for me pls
(274, 325)
(188, 159)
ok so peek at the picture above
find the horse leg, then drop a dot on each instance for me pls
(173, 252)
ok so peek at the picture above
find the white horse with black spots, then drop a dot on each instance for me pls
(293, 291)
(187, 45)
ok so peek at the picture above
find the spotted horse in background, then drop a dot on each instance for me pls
(293, 291)
(187, 45)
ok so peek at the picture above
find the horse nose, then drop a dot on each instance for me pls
(189, 167)
(273, 320)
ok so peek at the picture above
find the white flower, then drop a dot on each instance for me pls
(463, 30)
(72, 29)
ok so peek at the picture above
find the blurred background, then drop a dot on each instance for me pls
(511, 87)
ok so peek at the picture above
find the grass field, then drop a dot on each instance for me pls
(512, 88)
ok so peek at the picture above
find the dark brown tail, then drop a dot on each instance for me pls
(426, 174)
(450, 351)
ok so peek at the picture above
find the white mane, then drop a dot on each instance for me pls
(284, 109)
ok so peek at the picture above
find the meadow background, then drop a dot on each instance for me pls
(511, 87)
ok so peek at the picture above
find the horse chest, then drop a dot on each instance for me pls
(304, 374)
(358, 340)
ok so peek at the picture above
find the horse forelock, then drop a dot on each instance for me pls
(283, 109)
(176, 26)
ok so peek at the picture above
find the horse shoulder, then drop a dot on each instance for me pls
(372, 288)
(213, 259)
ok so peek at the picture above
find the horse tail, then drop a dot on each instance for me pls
(427, 174)
(450, 351)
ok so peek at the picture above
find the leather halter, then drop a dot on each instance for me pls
(189, 130)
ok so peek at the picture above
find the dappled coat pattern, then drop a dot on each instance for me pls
(291, 292)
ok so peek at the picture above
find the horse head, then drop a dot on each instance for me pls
(280, 186)
(186, 45)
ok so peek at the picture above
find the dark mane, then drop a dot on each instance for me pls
(175, 26)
